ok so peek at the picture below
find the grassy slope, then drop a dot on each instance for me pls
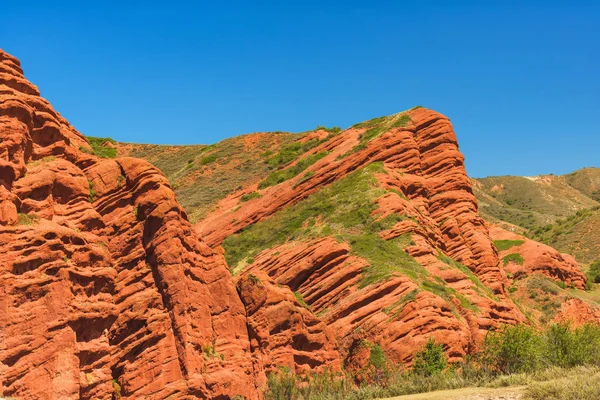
(561, 211)
(543, 208)
(202, 175)
(587, 181)
(343, 210)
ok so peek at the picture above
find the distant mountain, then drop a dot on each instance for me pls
(562, 211)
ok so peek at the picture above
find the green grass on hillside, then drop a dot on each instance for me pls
(283, 175)
(202, 175)
(586, 180)
(376, 127)
(549, 233)
(507, 244)
(513, 257)
(97, 145)
(560, 211)
(343, 210)
(291, 152)
(250, 196)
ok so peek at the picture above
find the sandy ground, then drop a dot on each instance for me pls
(511, 393)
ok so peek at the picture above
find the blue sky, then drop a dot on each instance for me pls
(519, 80)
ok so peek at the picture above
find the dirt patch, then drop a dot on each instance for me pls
(513, 393)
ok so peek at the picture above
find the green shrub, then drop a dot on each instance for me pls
(594, 272)
(430, 360)
(300, 300)
(98, 148)
(116, 395)
(538, 282)
(567, 347)
(92, 194)
(250, 196)
(254, 279)
(27, 219)
(208, 159)
(377, 357)
(513, 349)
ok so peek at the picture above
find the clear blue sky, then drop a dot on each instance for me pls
(519, 80)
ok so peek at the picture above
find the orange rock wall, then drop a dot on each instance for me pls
(106, 280)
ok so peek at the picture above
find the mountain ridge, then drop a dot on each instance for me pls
(560, 210)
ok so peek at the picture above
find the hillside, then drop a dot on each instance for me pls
(330, 250)
(202, 175)
(562, 211)
(328, 213)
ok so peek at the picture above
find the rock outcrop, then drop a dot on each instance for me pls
(104, 289)
(283, 333)
(576, 313)
(537, 258)
(429, 191)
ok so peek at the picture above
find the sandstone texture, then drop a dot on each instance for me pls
(283, 332)
(104, 289)
(426, 186)
(537, 258)
(577, 312)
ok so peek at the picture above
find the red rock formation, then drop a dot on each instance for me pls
(282, 332)
(539, 258)
(422, 163)
(576, 313)
(426, 167)
(103, 285)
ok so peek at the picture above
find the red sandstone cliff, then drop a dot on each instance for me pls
(428, 186)
(103, 283)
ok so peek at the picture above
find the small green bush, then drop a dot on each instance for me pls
(208, 159)
(116, 390)
(430, 360)
(92, 194)
(27, 219)
(97, 145)
(250, 196)
(514, 349)
(594, 272)
(300, 300)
